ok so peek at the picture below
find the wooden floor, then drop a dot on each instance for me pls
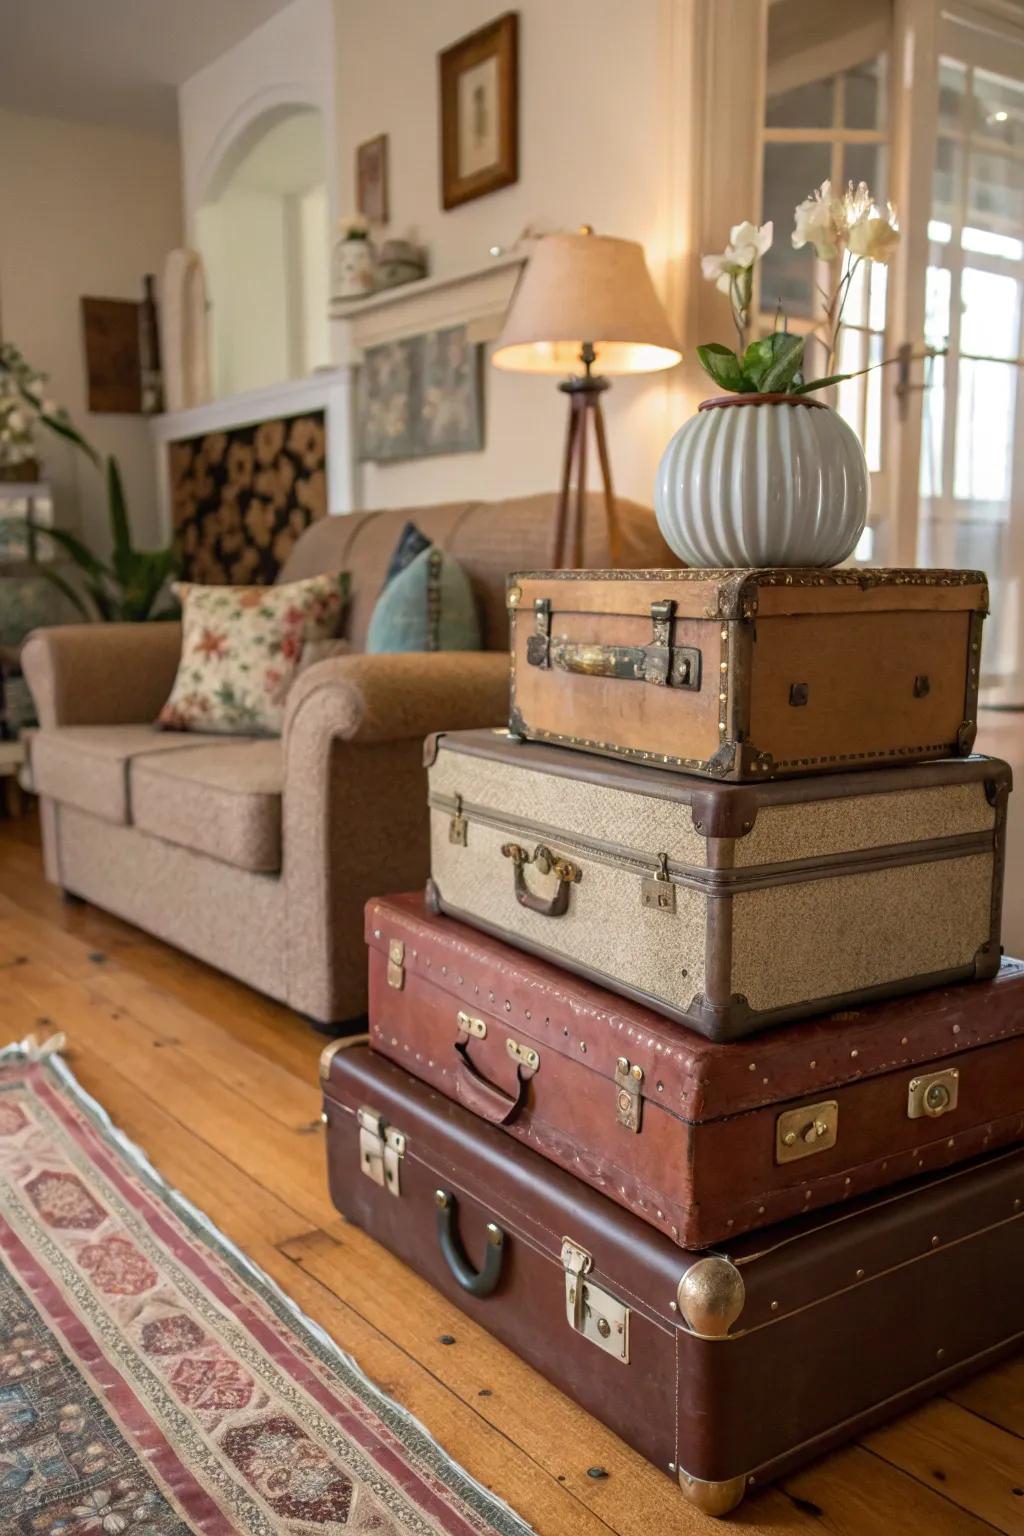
(219, 1086)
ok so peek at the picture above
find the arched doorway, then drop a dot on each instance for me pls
(262, 229)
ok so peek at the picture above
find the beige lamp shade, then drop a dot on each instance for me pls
(586, 288)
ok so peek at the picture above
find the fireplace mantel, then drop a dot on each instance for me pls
(477, 297)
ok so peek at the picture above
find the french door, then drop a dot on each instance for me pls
(924, 100)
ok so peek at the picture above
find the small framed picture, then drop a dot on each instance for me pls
(372, 179)
(479, 78)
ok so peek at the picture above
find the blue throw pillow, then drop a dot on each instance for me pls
(427, 607)
(411, 542)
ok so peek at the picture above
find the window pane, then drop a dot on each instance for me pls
(986, 395)
(998, 109)
(932, 429)
(873, 410)
(947, 187)
(996, 193)
(866, 162)
(936, 307)
(878, 287)
(864, 95)
(807, 106)
(850, 395)
(791, 172)
(952, 85)
(989, 313)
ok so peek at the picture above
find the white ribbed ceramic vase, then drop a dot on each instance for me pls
(755, 480)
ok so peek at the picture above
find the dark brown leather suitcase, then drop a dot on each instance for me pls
(728, 907)
(727, 1369)
(749, 674)
(700, 1140)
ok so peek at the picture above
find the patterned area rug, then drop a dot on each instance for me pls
(153, 1382)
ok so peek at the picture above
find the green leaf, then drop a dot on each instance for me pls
(833, 378)
(79, 552)
(74, 597)
(786, 363)
(66, 430)
(723, 366)
(757, 359)
(119, 528)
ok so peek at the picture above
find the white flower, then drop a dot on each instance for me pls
(17, 421)
(49, 407)
(820, 222)
(746, 243)
(875, 235)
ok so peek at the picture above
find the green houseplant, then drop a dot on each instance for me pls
(130, 586)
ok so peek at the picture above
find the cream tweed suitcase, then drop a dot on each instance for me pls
(727, 907)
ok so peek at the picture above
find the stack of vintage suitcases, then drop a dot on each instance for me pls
(703, 1092)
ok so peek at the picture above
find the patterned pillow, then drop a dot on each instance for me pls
(241, 648)
(428, 607)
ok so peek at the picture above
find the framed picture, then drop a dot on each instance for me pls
(479, 79)
(421, 395)
(113, 362)
(372, 179)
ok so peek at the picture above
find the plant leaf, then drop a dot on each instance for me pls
(119, 527)
(65, 429)
(79, 552)
(833, 378)
(757, 359)
(723, 366)
(56, 580)
(786, 362)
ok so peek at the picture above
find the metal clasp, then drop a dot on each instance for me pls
(802, 1132)
(458, 827)
(629, 1102)
(590, 1311)
(933, 1095)
(381, 1149)
(470, 1025)
(538, 646)
(396, 964)
(657, 891)
(525, 1055)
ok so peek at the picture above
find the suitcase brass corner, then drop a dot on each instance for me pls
(804, 1131)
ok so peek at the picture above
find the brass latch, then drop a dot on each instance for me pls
(601, 1318)
(802, 1132)
(525, 1055)
(657, 891)
(381, 1149)
(396, 964)
(471, 1025)
(933, 1095)
(458, 827)
(629, 1102)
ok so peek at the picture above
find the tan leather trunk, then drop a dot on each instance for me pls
(727, 907)
(749, 674)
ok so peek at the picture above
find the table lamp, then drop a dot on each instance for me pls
(585, 300)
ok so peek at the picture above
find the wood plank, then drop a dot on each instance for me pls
(970, 1461)
(853, 1493)
(997, 1396)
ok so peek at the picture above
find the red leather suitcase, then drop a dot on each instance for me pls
(701, 1140)
(727, 1369)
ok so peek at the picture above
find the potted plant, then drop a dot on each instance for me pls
(22, 408)
(766, 474)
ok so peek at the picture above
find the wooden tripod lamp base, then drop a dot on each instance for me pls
(570, 527)
(572, 287)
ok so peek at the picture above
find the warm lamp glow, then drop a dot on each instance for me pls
(586, 288)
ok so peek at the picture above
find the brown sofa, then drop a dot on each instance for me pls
(258, 855)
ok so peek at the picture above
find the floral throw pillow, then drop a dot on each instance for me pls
(241, 648)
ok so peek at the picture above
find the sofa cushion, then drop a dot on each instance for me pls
(222, 799)
(87, 765)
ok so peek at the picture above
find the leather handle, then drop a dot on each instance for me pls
(478, 1282)
(546, 863)
(485, 1098)
(675, 666)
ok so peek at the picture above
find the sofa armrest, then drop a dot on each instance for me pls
(101, 674)
(399, 696)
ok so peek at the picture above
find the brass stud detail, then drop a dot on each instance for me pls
(860, 1274)
(936, 1242)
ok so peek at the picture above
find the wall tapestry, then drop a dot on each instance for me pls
(422, 395)
(240, 498)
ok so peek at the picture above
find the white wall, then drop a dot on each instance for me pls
(591, 112)
(289, 60)
(83, 210)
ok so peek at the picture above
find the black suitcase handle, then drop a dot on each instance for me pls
(477, 1282)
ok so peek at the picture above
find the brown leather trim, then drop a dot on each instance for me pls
(721, 402)
(431, 747)
(616, 771)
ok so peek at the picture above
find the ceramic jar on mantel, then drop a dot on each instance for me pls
(353, 268)
(760, 480)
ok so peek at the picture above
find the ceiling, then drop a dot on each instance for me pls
(117, 62)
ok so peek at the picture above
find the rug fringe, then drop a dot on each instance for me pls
(32, 1049)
